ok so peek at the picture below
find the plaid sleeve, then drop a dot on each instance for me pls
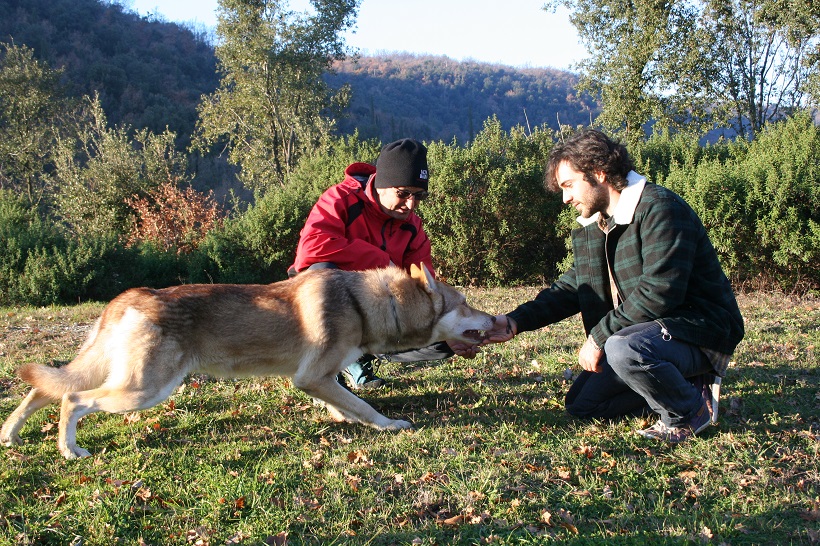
(551, 305)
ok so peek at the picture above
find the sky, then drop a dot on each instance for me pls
(516, 33)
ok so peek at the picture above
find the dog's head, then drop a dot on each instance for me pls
(456, 319)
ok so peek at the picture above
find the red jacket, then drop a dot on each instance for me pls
(348, 228)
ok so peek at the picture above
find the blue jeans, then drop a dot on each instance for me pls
(643, 369)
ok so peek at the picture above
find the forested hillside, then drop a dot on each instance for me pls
(439, 98)
(148, 73)
(151, 74)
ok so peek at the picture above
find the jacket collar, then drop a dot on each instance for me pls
(628, 202)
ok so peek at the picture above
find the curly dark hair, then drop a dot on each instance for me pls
(590, 151)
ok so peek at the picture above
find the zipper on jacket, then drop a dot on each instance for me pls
(616, 294)
(665, 335)
(384, 239)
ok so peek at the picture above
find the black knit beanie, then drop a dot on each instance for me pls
(402, 163)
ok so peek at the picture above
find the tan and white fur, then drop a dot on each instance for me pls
(308, 328)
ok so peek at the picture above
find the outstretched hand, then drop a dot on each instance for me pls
(504, 329)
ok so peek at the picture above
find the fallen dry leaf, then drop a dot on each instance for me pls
(359, 457)
(586, 451)
(353, 481)
(143, 493)
(434, 477)
(455, 520)
(706, 533)
(132, 417)
(569, 527)
(546, 518)
(17, 456)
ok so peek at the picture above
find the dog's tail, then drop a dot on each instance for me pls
(87, 371)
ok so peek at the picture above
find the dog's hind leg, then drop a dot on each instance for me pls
(35, 400)
(118, 399)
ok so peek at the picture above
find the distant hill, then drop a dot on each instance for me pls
(151, 73)
(148, 73)
(439, 98)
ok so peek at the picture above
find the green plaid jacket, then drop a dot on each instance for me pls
(665, 269)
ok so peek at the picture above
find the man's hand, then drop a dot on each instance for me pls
(504, 329)
(590, 356)
(465, 350)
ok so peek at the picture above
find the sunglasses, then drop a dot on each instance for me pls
(417, 195)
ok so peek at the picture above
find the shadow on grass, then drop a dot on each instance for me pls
(757, 400)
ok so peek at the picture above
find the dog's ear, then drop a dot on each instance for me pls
(417, 273)
(423, 275)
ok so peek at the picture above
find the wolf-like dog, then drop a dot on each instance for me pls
(308, 328)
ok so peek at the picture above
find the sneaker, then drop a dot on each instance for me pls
(676, 435)
(361, 374)
(709, 386)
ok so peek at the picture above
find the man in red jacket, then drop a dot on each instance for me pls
(367, 222)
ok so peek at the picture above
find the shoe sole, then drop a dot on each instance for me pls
(714, 390)
(370, 385)
(669, 438)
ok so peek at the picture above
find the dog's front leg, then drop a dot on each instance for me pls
(344, 405)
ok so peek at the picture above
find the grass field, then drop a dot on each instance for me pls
(494, 458)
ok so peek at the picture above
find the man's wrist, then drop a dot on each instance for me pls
(592, 341)
(512, 326)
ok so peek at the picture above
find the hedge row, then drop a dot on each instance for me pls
(490, 220)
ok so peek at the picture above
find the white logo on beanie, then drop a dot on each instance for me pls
(423, 174)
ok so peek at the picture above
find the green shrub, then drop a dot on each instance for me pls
(717, 194)
(657, 156)
(41, 265)
(100, 169)
(759, 202)
(490, 219)
(146, 264)
(22, 232)
(782, 170)
(58, 274)
(21, 229)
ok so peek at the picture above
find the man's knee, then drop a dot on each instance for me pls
(583, 398)
(578, 410)
(319, 265)
(619, 351)
(627, 347)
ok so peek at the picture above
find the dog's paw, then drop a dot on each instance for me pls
(398, 424)
(11, 440)
(74, 452)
